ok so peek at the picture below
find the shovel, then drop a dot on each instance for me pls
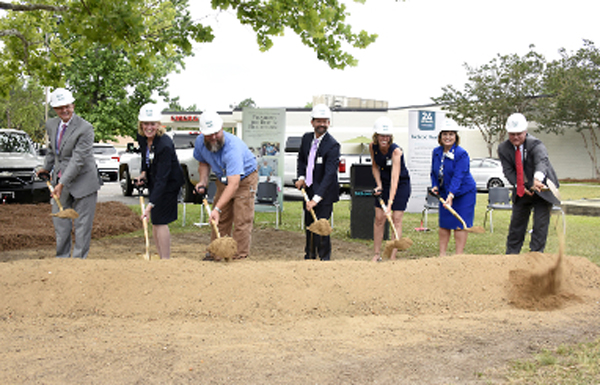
(145, 222)
(68, 213)
(221, 248)
(319, 226)
(397, 243)
(475, 229)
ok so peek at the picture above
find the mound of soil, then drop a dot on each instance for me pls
(277, 319)
(30, 226)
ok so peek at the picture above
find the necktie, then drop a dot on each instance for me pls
(311, 163)
(63, 128)
(519, 166)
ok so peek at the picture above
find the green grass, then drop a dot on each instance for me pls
(573, 364)
(581, 239)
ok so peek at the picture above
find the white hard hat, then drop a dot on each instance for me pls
(210, 123)
(383, 126)
(516, 123)
(450, 125)
(61, 97)
(150, 113)
(320, 111)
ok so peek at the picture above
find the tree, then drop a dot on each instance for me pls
(248, 102)
(23, 109)
(41, 40)
(574, 85)
(495, 90)
(109, 91)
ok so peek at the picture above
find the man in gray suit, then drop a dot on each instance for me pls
(526, 166)
(70, 157)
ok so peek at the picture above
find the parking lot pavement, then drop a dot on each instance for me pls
(111, 191)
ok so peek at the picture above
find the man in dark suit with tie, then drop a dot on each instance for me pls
(317, 170)
(70, 157)
(526, 166)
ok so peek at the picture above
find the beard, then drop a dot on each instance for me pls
(214, 147)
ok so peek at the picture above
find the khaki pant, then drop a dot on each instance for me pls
(238, 213)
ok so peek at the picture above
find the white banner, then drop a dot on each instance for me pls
(423, 129)
(263, 131)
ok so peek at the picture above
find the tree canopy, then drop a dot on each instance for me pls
(507, 84)
(573, 82)
(41, 39)
(115, 54)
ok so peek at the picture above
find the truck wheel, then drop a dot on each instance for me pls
(126, 185)
(188, 191)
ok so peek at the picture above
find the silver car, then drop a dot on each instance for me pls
(488, 173)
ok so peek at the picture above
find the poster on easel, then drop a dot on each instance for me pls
(263, 131)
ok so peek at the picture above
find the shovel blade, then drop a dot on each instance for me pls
(67, 214)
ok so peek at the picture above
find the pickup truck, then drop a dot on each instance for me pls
(292, 145)
(130, 163)
(18, 163)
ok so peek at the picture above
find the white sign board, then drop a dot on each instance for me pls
(423, 129)
(264, 133)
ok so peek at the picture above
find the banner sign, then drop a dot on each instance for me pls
(263, 131)
(423, 129)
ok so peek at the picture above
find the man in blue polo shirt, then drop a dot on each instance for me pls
(235, 167)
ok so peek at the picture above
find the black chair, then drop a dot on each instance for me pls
(267, 200)
(498, 199)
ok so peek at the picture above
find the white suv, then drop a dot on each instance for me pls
(131, 163)
(107, 161)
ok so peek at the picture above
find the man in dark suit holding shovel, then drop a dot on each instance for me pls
(526, 166)
(317, 170)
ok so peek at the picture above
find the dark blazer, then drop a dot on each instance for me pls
(75, 158)
(325, 172)
(535, 158)
(164, 174)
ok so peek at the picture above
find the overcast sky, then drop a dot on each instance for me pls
(422, 46)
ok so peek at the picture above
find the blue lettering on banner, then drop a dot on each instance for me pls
(426, 120)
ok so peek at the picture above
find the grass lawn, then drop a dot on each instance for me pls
(581, 239)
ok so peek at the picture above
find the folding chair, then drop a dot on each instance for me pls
(267, 200)
(431, 204)
(498, 199)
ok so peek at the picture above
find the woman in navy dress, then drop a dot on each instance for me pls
(451, 178)
(161, 168)
(392, 179)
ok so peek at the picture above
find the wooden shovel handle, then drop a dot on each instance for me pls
(389, 217)
(60, 207)
(307, 200)
(145, 223)
(208, 210)
(449, 208)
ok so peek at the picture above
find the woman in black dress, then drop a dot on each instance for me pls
(161, 170)
(393, 181)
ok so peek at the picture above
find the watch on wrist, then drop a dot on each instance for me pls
(218, 209)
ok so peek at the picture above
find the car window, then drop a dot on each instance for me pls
(489, 164)
(11, 142)
(104, 150)
(184, 141)
(475, 163)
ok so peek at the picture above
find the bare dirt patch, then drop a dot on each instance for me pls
(275, 318)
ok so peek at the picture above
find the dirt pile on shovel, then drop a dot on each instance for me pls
(223, 248)
(320, 227)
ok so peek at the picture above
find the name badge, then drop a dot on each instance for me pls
(320, 160)
(388, 162)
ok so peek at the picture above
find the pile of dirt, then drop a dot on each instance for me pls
(275, 318)
(30, 226)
